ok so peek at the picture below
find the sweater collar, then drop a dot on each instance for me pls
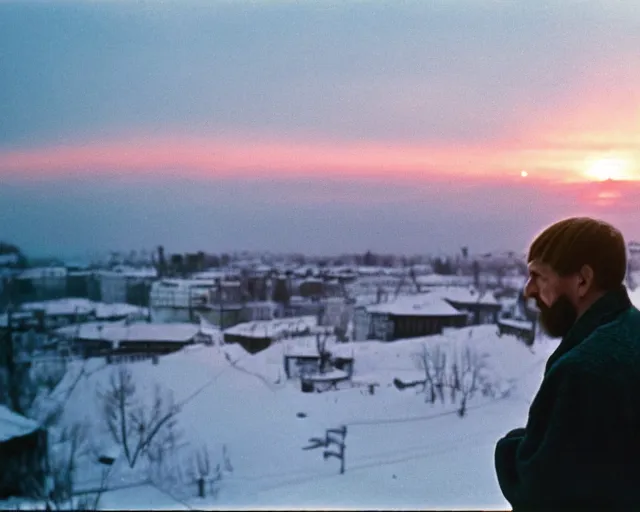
(601, 312)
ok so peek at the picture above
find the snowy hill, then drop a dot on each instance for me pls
(401, 452)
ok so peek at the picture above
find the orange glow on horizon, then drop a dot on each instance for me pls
(604, 169)
(565, 148)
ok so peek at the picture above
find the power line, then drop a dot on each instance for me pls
(212, 379)
(167, 493)
(418, 418)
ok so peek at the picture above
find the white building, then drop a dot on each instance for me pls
(260, 310)
(46, 282)
(115, 284)
(176, 300)
(61, 312)
(337, 312)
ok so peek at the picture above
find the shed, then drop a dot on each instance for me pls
(481, 307)
(101, 339)
(24, 456)
(412, 316)
(257, 336)
(521, 329)
(301, 358)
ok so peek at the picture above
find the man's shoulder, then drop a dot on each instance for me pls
(616, 343)
(625, 328)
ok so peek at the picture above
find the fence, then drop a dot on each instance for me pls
(131, 358)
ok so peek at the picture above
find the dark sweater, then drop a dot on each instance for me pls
(581, 445)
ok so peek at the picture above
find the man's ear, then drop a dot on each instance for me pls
(585, 280)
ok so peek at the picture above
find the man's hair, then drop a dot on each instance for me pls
(571, 243)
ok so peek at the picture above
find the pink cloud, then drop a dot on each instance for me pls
(232, 158)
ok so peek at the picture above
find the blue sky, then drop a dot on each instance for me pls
(130, 124)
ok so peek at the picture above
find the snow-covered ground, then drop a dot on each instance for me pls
(401, 452)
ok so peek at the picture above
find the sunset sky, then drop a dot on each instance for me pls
(314, 126)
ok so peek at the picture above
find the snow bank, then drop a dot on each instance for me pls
(401, 451)
(14, 425)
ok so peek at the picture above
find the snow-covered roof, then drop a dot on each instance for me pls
(304, 269)
(370, 271)
(80, 273)
(415, 305)
(183, 284)
(8, 259)
(103, 310)
(142, 331)
(126, 271)
(42, 272)
(298, 299)
(316, 280)
(14, 425)
(442, 280)
(210, 274)
(365, 299)
(328, 376)
(305, 346)
(423, 268)
(261, 304)
(69, 306)
(273, 328)
(518, 324)
(72, 306)
(4, 317)
(514, 281)
(467, 296)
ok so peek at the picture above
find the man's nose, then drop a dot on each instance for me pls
(528, 290)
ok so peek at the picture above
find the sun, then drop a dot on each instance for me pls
(605, 169)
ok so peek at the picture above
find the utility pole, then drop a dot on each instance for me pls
(220, 306)
(317, 442)
(11, 365)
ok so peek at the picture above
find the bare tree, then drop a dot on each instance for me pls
(195, 470)
(323, 353)
(440, 371)
(464, 373)
(468, 374)
(64, 459)
(133, 424)
(433, 363)
(202, 472)
(424, 362)
(68, 445)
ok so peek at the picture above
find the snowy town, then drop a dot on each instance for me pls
(319, 255)
(191, 381)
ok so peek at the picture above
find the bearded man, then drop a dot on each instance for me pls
(580, 449)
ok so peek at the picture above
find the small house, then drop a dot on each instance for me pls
(115, 340)
(42, 283)
(27, 331)
(407, 317)
(521, 329)
(61, 312)
(119, 311)
(481, 307)
(257, 336)
(301, 357)
(24, 456)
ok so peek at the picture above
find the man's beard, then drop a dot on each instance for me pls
(557, 319)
